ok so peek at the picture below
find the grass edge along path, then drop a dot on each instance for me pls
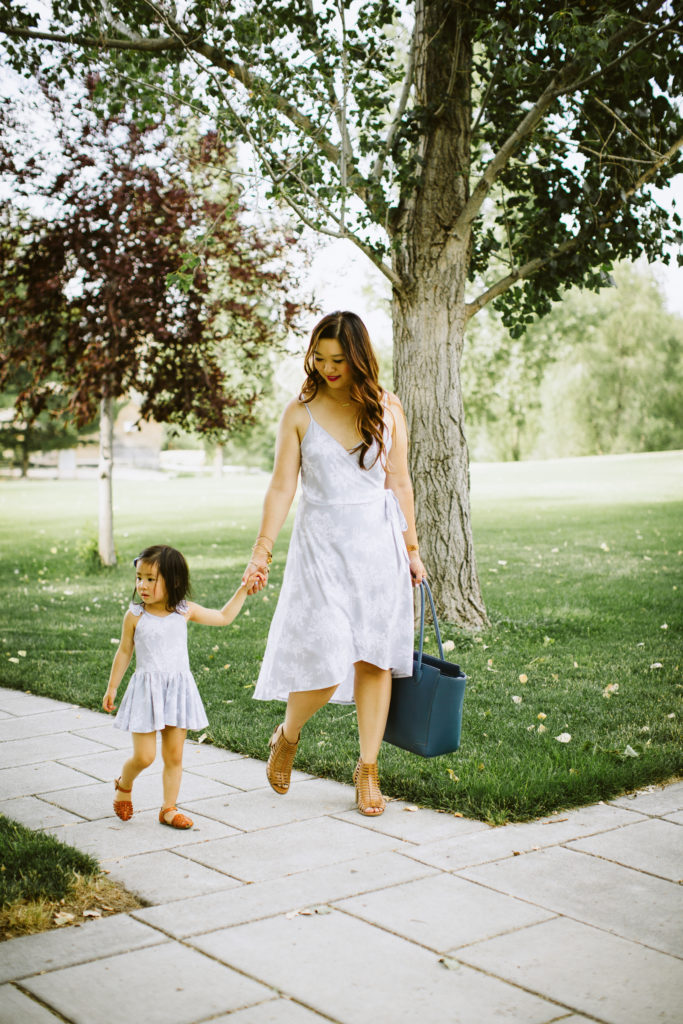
(47, 884)
(574, 691)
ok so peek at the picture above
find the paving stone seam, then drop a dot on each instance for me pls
(19, 978)
(440, 954)
(36, 999)
(52, 803)
(569, 1010)
(280, 913)
(611, 860)
(280, 993)
(451, 952)
(571, 917)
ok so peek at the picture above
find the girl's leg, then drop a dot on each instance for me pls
(144, 752)
(172, 744)
(372, 693)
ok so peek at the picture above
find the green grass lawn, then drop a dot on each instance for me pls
(580, 562)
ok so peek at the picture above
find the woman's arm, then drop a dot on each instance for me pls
(218, 616)
(122, 658)
(398, 480)
(280, 493)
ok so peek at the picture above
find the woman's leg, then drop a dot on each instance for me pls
(372, 693)
(172, 744)
(144, 752)
(301, 706)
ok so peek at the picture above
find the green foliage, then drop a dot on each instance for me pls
(317, 97)
(581, 567)
(600, 373)
(34, 865)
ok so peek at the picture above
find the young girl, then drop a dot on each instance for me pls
(162, 694)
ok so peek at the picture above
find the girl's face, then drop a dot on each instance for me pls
(330, 362)
(150, 584)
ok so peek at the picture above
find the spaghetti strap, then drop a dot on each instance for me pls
(307, 408)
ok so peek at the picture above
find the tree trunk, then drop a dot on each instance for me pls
(428, 336)
(429, 311)
(106, 498)
(219, 461)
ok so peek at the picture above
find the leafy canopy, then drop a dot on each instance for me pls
(572, 112)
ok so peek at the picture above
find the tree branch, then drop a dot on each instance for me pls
(533, 266)
(378, 168)
(163, 43)
(562, 83)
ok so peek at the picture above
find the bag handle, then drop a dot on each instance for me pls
(425, 586)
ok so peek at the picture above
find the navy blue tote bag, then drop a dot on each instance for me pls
(425, 714)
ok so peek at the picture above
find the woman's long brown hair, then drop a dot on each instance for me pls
(351, 333)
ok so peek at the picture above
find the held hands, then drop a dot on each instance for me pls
(255, 576)
(256, 573)
(417, 569)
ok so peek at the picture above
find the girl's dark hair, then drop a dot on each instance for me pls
(351, 333)
(171, 565)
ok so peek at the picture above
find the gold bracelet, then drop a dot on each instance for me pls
(269, 554)
(262, 536)
(412, 547)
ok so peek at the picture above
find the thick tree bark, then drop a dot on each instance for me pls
(106, 497)
(428, 338)
(429, 312)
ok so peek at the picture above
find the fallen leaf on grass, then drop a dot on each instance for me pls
(541, 716)
(655, 664)
(63, 917)
(516, 700)
(564, 737)
(610, 689)
(523, 678)
(630, 752)
(542, 728)
(449, 645)
(92, 913)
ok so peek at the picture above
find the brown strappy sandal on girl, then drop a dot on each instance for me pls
(280, 760)
(123, 809)
(368, 794)
(177, 821)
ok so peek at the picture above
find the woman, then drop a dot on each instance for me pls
(344, 619)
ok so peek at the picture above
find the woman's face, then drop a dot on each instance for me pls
(331, 364)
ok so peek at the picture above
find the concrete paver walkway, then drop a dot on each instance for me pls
(297, 910)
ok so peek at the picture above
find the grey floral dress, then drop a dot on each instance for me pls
(346, 594)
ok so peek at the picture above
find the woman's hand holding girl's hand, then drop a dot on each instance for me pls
(255, 575)
(417, 569)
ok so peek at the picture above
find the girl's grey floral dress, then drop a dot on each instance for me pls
(162, 690)
(346, 593)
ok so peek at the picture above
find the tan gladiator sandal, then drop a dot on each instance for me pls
(122, 808)
(368, 794)
(280, 760)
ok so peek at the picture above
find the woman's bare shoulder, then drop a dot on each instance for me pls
(392, 401)
(295, 416)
